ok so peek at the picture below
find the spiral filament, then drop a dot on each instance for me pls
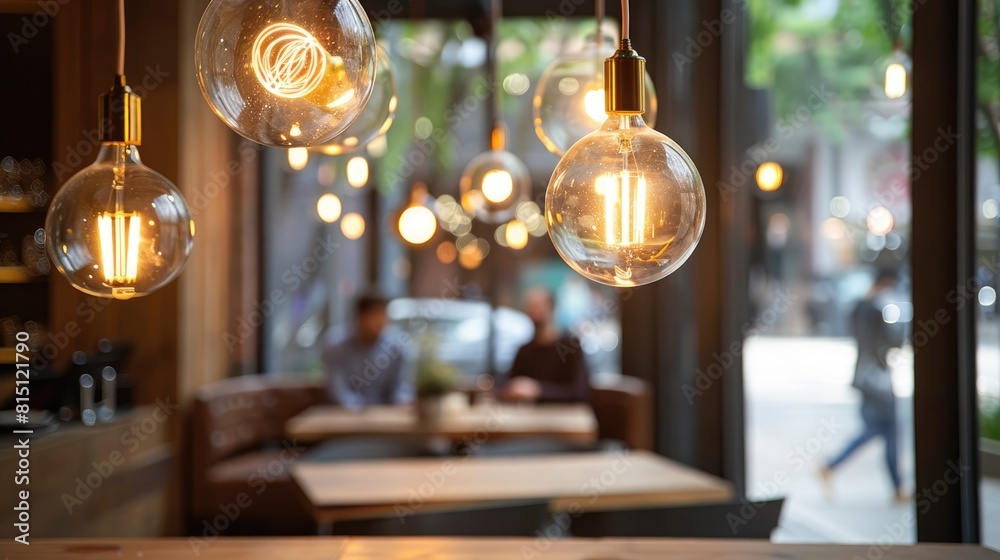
(288, 60)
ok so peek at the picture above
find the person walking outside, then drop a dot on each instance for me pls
(873, 379)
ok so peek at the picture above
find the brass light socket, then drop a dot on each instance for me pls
(120, 112)
(625, 81)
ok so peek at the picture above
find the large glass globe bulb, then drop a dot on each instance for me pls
(569, 98)
(625, 206)
(117, 228)
(286, 72)
(377, 116)
(493, 184)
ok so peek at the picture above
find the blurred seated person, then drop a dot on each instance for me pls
(366, 366)
(551, 367)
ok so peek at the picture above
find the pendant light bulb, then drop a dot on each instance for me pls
(417, 222)
(569, 99)
(377, 116)
(117, 228)
(493, 184)
(625, 205)
(893, 76)
(286, 73)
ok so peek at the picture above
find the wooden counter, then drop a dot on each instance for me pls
(324, 548)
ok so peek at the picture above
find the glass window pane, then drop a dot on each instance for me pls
(828, 369)
(984, 297)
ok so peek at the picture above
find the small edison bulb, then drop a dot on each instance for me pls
(893, 76)
(352, 225)
(516, 234)
(377, 116)
(417, 224)
(769, 176)
(117, 228)
(493, 184)
(329, 207)
(626, 205)
(286, 72)
(357, 172)
(569, 99)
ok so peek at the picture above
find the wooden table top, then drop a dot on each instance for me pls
(575, 422)
(591, 481)
(329, 548)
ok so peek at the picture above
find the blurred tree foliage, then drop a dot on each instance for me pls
(988, 75)
(794, 46)
(434, 81)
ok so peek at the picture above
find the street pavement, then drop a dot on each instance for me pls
(800, 411)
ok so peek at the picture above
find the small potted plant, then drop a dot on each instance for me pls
(433, 380)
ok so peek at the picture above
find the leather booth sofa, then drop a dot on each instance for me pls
(240, 457)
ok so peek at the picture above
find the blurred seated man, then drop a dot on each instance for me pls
(366, 365)
(551, 367)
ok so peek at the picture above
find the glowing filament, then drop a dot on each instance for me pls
(895, 81)
(624, 208)
(288, 60)
(498, 185)
(119, 246)
(593, 105)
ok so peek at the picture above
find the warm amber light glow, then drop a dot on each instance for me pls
(328, 207)
(895, 81)
(769, 176)
(119, 239)
(471, 257)
(498, 185)
(446, 252)
(880, 220)
(298, 158)
(357, 172)
(516, 234)
(288, 60)
(417, 224)
(352, 225)
(624, 207)
(593, 104)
